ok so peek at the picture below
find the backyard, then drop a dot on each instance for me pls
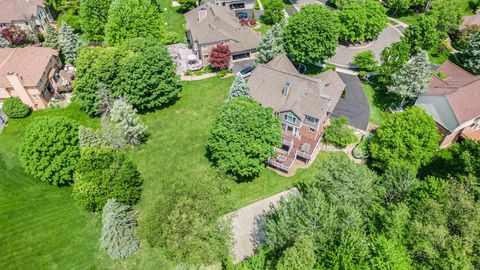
(37, 218)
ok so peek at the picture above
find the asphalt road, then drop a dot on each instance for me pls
(355, 105)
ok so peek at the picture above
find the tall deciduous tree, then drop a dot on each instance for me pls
(448, 14)
(69, 42)
(124, 116)
(220, 57)
(273, 12)
(301, 255)
(132, 19)
(104, 173)
(422, 34)
(146, 74)
(413, 78)
(471, 54)
(118, 230)
(243, 137)
(51, 37)
(50, 149)
(93, 17)
(393, 58)
(307, 39)
(271, 45)
(408, 137)
(239, 88)
(376, 18)
(353, 18)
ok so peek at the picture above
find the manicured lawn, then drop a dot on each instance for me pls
(174, 20)
(41, 226)
(439, 58)
(379, 103)
(467, 9)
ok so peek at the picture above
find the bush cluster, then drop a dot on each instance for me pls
(338, 133)
(15, 108)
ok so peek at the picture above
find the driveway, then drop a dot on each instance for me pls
(355, 105)
(239, 65)
(344, 55)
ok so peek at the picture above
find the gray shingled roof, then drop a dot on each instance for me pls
(221, 25)
(306, 95)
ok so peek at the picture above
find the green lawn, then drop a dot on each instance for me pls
(467, 8)
(174, 20)
(379, 103)
(42, 227)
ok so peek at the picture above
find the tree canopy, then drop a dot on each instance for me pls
(471, 54)
(408, 137)
(448, 14)
(422, 34)
(306, 39)
(133, 19)
(271, 45)
(362, 20)
(50, 149)
(93, 17)
(274, 12)
(243, 137)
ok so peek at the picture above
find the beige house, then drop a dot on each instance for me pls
(454, 103)
(29, 73)
(30, 15)
(303, 103)
(241, 8)
(209, 25)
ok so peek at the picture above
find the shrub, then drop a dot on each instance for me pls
(91, 138)
(243, 137)
(171, 38)
(464, 36)
(50, 149)
(338, 133)
(220, 57)
(301, 255)
(14, 108)
(365, 61)
(14, 35)
(361, 150)
(118, 231)
(125, 118)
(103, 173)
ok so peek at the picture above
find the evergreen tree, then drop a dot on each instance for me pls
(51, 37)
(270, 46)
(471, 54)
(118, 231)
(88, 137)
(69, 42)
(124, 116)
(239, 88)
(4, 43)
(413, 78)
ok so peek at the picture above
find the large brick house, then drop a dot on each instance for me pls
(303, 104)
(32, 74)
(209, 25)
(30, 15)
(454, 103)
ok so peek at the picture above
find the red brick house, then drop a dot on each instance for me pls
(303, 104)
(454, 103)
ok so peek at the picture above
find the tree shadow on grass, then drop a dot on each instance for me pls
(382, 99)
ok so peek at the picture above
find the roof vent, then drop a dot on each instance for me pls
(202, 13)
(286, 87)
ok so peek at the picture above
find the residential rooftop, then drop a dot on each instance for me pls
(12, 10)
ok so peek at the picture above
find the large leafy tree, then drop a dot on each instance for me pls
(118, 230)
(131, 19)
(307, 39)
(146, 74)
(353, 18)
(422, 34)
(95, 66)
(331, 210)
(376, 18)
(448, 14)
(243, 137)
(273, 12)
(408, 137)
(398, 6)
(301, 255)
(50, 149)
(471, 54)
(69, 42)
(413, 78)
(393, 58)
(188, 212)
(103, 173)
(93, 17)
(271, 45)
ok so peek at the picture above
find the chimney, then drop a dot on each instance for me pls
(202, 13)
(286, 87)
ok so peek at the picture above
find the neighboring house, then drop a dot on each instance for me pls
(30, 15)
(31, 74)
(303, 104)
(242, 8)
(454, 103)
(209, 25)
(470, 20)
